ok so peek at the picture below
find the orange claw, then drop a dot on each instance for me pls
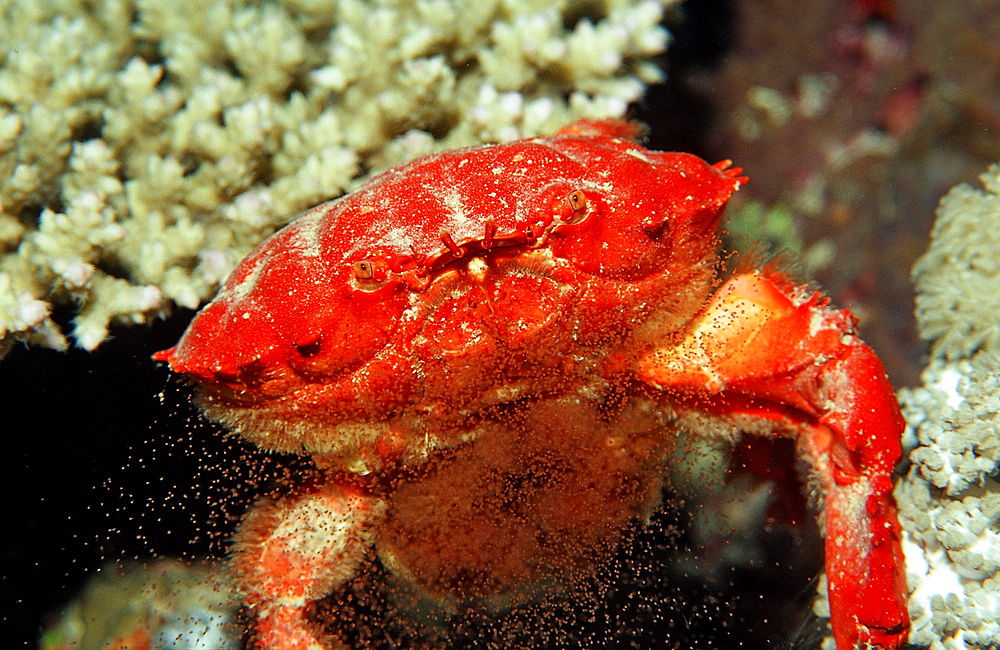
(765, 348)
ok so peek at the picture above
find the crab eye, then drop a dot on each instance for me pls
(370, 274)
(577, 203)
(577, 200)
(364, 270)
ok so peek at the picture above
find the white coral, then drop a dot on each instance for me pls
(149, 144)
(949, 501)
(954, 306)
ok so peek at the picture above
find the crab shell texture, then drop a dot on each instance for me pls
(524, 325)
(462, 280)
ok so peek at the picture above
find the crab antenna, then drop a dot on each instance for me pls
(455, 249)
(490, 229)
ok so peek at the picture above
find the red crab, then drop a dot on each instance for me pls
(487, 352)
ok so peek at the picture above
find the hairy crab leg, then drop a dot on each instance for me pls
(764, 351)
(292, 551)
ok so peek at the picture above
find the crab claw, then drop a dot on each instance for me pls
(764, 353)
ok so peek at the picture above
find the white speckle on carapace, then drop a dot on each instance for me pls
(635, 153)
(607, 187)
(238, 292)
(307, 230)
(452, 200)
(399, 238)
(461, 224)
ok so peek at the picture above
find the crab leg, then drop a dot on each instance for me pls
(766, 352)
(298, 549)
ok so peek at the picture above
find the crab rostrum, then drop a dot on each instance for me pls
(488, 352)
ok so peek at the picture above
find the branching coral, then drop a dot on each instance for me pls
(950, 498)
(146, 146)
